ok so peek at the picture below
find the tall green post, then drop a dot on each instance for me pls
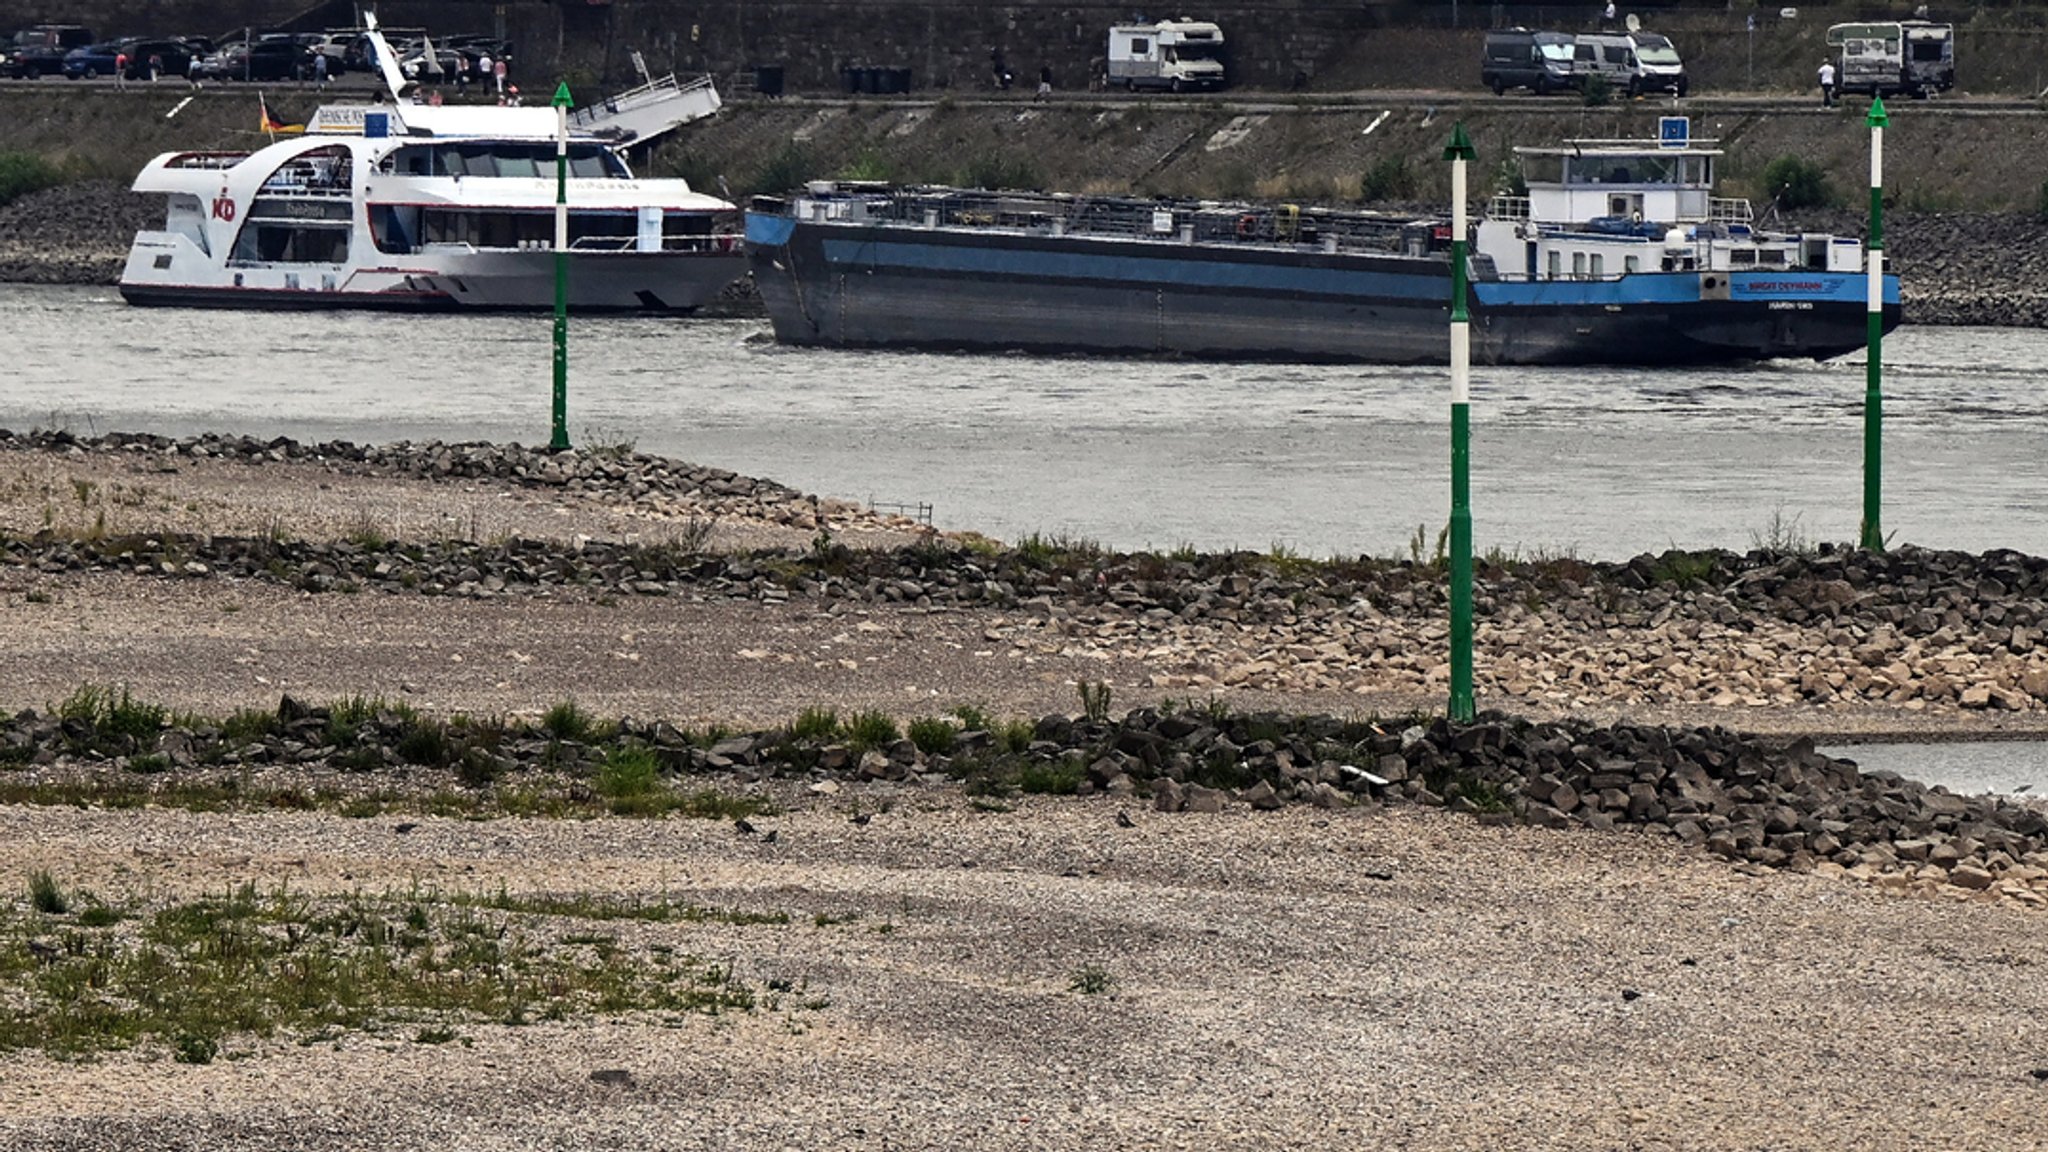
(1872, 536)
(1458, 151)
(560, 441)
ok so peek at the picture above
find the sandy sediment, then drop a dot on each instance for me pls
(1353, 977)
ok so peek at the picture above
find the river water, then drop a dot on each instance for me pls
(1603, 463)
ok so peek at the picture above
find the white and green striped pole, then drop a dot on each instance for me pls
(559, 441)
(1872, 536)
(1458, 151)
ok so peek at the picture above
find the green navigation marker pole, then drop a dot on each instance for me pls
(560, 441)
(1873, 306)
(1458, 152)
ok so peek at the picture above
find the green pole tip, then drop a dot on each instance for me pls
(561, 99)
(1877, 118)
(1460, 147)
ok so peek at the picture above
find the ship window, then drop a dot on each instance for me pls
(1631, 265)
(1556, 264)
(1578, 265)
(603, 230)
(286, 242)
(1599, 265)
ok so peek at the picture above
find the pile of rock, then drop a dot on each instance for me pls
(75, 233)
(618, 475)
(1768, 804)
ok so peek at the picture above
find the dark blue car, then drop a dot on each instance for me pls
(91, 60)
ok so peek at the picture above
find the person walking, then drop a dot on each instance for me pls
(498, 71)
(156, 66)
(1045, 83)
(1827, 83)
(120, 70)
(320, 69)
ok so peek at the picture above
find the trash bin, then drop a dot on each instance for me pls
(899, 80)
(871, 80)
(768, 79)
(849, 78)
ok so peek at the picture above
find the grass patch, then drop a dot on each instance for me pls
(195, 977)
(933, 735)
(24, 172)
(871, 729)
(1091, 980)
(818, 724)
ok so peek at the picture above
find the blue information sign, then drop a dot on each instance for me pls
(1674, 131)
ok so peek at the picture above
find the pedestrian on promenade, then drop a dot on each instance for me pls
(498, 70)
(120, 70)
(1827, 84)
(1045, 82)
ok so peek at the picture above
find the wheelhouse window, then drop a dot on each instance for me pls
(405, 228)
(502, 159)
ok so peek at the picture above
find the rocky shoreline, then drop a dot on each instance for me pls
(1955, 268)
(1770, 803)
(1268, 901)
(1829, 633)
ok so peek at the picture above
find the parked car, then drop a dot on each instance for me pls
(446, 65)
(335, 46)
(174, 57)
(40, 51)
(263, 60)
(92, 60)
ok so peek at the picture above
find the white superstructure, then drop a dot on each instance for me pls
(1608, 209)
(426, 206)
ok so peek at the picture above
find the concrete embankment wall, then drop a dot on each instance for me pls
(1321, 45)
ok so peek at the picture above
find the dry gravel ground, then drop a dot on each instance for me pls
(1359, 978)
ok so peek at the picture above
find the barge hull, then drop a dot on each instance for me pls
(863, 285)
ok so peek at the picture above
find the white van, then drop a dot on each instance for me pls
(1633, 62)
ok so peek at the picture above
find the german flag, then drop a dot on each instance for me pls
(271, 125)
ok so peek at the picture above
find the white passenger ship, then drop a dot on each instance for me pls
(412, 205)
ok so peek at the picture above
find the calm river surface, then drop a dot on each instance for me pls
(1604, 463)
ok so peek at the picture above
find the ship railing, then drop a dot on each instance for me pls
(1508, 208)
(653, 91)
(1722, 210)
(720, 242)
(211, 160)
(1126, 218)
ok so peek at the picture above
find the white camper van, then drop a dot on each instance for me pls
(1634, 63)
(1911, 56)
(1178, 55)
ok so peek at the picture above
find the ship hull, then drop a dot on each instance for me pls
(167, 270)
(897, 285)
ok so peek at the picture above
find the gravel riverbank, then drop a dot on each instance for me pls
(1176, 961)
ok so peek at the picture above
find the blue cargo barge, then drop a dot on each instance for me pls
(1618, 253)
